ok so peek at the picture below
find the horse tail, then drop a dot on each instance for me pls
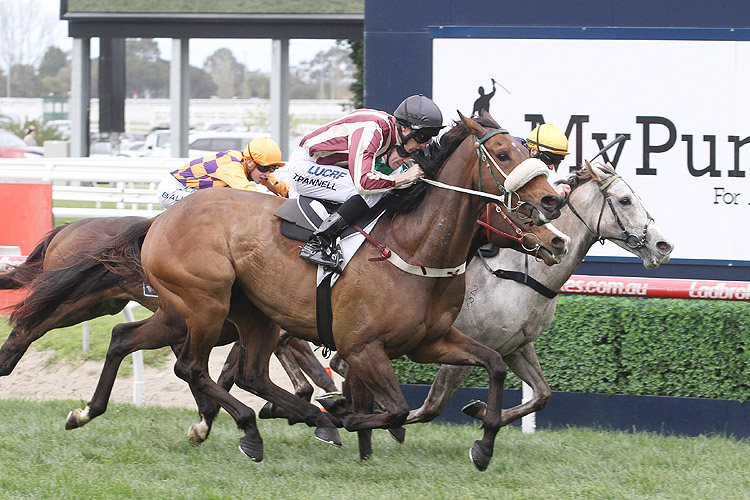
(23, 274)
(117, 263)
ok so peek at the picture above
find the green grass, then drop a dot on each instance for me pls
(133, 453)
(66, 343)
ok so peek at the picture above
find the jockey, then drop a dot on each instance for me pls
(337, 162)
(235, 169)
(548, 143)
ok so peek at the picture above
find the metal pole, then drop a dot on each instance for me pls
(86, 336)
(528, 423)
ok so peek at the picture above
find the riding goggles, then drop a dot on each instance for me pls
(265, 168)
(422, 135)
(552, 160)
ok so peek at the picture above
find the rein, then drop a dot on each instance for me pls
(631, 239)
(522, 175)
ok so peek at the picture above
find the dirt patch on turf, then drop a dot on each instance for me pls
(32, 379)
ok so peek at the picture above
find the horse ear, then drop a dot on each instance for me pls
(473, 127)
(486, 115)
(592, 171)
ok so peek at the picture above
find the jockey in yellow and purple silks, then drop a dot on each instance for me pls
(234, 169)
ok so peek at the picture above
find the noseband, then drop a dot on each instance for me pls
(630, 239)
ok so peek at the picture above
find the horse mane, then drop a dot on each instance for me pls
(581, 176)
(431, 159)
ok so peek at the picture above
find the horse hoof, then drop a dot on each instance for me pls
(328, 435)
(266, 411)
(252, 449)
(398, 434)
(197, 433)
(479, 457)
(75, 420)
(475, 409)
(331, 401)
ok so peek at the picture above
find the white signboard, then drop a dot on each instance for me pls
(684, 105)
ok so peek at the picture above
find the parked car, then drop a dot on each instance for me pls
(159, 144)
(133, 149)
(12, 146)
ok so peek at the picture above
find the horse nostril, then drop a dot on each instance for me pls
(558, 242)
(664, 246)
(550, 202)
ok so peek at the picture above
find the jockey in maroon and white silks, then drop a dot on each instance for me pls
(337, 160)
(336, 163)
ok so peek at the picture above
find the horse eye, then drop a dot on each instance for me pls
(625, 200)
(503, 156)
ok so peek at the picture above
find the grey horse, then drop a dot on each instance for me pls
(508, 316)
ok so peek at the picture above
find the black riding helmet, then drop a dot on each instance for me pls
(422, 116)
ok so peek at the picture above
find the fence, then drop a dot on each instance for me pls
(129, 183)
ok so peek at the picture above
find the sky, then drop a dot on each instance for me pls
(255, 54)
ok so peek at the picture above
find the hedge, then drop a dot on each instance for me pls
(665, 347)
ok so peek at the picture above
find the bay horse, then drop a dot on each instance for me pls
(507, 315)
(211, 244)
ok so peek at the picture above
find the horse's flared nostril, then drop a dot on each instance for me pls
(558, 243)
(664, 246)
(551, 202)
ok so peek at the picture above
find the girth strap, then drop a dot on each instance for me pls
(324, 314)
(526, 280)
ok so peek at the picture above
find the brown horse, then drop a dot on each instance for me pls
(213, 243)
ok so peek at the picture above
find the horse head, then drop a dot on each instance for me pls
(619, 215)
(505, 229)
(505, 169)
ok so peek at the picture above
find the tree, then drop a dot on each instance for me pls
(143, 48)
(226, 72)
(25, 81)
(26, 31)
(330, 73)
(202, 86)
(357, 88)
(53, 61)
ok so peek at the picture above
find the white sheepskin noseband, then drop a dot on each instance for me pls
(523, 173)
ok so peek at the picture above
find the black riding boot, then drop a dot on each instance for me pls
(322, 248)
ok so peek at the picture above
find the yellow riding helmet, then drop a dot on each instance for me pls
(547, 137)
(263, 151)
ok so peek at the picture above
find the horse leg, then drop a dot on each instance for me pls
(19, 340)
(260, 335)
(455, 348)
(310, 365)
(443, 388)
(524, 363)
(284, 353)
(360, 401)
(207, 407)
(373, 368)
(151, 333)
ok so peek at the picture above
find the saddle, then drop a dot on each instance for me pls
(300, 217)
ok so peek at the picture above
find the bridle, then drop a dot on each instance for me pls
(485, 159)
(519, 236)
(630, 239)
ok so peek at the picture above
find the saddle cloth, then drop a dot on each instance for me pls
(301, 216)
